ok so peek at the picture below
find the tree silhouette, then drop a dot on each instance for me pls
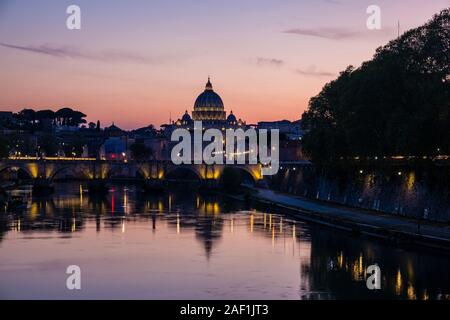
(398, 103)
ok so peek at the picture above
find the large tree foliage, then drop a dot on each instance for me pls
(35, 120)
(48, 145)
(398, 103)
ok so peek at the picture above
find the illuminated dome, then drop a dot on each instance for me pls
(231, 118)
(186, 117)
(208, 106)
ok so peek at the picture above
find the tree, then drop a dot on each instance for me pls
(77, 119)
(63, 115)
(69, 117)
(21, 144)
(398, 103)
(26, 118)
(74, 146)
(48, 145)
(43, 115)
(27, 115)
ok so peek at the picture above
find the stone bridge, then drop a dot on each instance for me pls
(91, 169)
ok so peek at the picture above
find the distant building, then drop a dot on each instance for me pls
(291, 130)
(114, 131)
(157, 144)
(114, 148)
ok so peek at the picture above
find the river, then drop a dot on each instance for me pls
(182, 245)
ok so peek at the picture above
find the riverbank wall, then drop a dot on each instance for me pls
(414, 192)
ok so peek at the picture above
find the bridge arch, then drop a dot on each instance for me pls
(56, 172)
(31, 172)
(246, 174)
(187, 172)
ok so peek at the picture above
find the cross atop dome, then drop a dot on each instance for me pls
(209, 84)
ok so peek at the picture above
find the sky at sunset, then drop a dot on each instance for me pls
(135, 62)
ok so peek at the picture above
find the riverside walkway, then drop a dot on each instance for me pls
(400, 229)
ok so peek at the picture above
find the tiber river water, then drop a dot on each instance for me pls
(182, 245)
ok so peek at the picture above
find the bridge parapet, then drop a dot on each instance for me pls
(88, 169)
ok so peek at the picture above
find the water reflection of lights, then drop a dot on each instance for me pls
(273, 237)
(112, 204)
(351, 260)
(411, 292)
(81, 194)
(125, 201)
(341, 260)
(398, 283)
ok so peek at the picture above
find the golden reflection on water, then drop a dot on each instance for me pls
(411, 293)
(273, 236)
(411, 180)
(321, 259)
(341, 260)
(358, 269)
(425, 295)
(398, 283)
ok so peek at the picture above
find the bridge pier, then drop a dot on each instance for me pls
(3, 197)
(98, 187)
(42, 186)
(209, 184)
(153, 185)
